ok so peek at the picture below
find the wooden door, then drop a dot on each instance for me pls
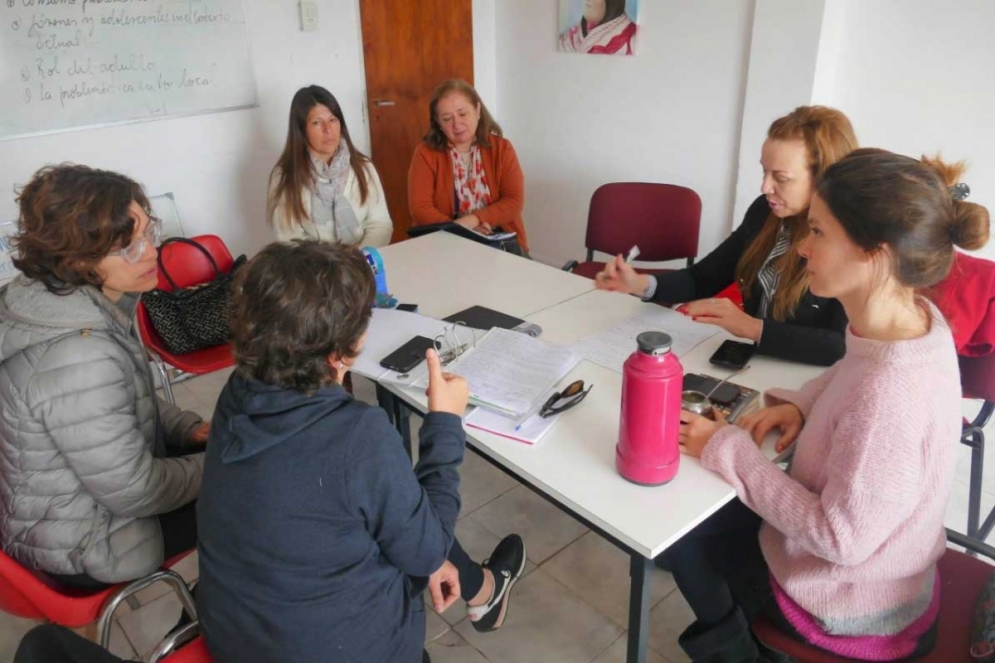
(409, 46)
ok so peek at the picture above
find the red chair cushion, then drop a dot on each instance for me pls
(34, 595)
(193, 652)
(961, 578)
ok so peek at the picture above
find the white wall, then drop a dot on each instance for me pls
(784, 49)
(669, 114)
(915, 76)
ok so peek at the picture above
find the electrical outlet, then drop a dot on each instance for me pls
(309, 16)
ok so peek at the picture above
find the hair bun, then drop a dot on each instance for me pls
(971, 225)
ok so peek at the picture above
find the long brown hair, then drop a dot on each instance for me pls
(71, 217)
(828, 137)
(294, 166)
(435, 138)
(884, 198)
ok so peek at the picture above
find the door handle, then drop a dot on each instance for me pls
(381, 102)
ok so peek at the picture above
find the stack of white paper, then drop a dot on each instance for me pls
(612, 347)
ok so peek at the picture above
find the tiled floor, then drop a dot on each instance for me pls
(570, 607)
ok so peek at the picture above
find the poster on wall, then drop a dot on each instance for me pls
(599, 27)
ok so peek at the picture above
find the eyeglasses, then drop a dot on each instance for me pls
(134, 251)
(573, 394)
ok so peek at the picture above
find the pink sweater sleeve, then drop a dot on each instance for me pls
(874, 475)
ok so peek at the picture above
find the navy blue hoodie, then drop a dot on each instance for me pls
(315, 536)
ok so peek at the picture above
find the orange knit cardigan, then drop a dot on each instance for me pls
(431, 187)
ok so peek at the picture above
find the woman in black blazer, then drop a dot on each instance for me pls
(779, 314)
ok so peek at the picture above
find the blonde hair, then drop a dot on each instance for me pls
(828, 137)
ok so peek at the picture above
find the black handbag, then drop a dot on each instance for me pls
(189, 319)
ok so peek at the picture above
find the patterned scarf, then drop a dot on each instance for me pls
(472, 192)
(769, 276)
(329, 206)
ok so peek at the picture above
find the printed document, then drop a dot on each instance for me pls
(612, 347)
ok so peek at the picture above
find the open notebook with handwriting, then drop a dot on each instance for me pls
(512, 373)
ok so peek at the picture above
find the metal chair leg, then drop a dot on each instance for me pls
(167, 388)
(168, 576)
(977, 472)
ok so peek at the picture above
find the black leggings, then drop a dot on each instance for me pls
(179, 534)
(719, 565)
(471, 575)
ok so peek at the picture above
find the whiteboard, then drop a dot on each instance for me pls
(164, 208)
(7, 269)
(67, 64)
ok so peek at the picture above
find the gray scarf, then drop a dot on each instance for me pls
(329, 206)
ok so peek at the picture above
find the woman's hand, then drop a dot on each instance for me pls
(446, 392)
(199, 435)
(443, 586)
(619, 276)
(723, 313)
(696, 431)
(786, 417)
(473, 222)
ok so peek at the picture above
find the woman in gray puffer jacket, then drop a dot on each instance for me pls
(93, 485)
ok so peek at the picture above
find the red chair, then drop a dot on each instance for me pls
(34, 595)
(977, 381)
(967, 299)
(182, 646)
(962, 578)
(187, 266)
(661, 219)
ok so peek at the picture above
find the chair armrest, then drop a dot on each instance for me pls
(570, 266)
(970, 543)
(174, 641)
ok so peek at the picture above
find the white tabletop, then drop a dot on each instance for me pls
(444, 274)
(575, 463)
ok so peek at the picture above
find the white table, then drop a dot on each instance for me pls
(574, 466)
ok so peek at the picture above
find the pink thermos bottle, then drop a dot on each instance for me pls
(652, 380)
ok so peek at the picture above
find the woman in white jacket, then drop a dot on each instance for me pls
(323, 187)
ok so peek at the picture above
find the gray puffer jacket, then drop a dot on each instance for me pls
(83, 437)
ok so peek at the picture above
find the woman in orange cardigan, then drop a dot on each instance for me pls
(464, 170)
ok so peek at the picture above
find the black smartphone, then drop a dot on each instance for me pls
(410, 308)
(724, 395)
(409, 355)
(733, 354)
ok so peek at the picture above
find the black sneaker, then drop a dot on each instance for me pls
(507, 563)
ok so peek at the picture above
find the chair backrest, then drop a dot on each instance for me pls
(662, 219)
(188, 266)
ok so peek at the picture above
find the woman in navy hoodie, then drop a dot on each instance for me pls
(316, 538)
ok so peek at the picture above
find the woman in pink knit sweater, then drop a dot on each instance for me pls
(849, 536)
